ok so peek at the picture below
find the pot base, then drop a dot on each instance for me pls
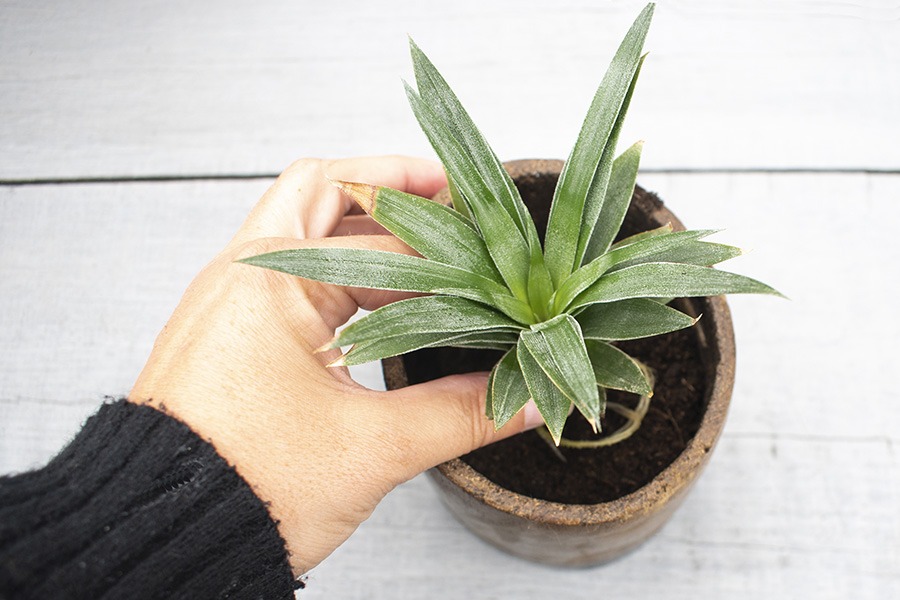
(539, 535)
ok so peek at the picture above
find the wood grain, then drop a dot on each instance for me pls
(767, 118)
(89, 89)
(799, 501)
(761, 523)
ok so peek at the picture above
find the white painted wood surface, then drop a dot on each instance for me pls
(802, 499)
(93, 88)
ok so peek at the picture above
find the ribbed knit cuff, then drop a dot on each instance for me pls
(137, 506)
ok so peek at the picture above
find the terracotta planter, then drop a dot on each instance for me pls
(590, 534)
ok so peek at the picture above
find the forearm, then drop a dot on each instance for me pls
(137, 506)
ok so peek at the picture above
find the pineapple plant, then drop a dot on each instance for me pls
(487, 281)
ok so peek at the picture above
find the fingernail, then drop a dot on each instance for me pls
(533, 416)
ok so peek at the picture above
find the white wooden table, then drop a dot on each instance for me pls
(135, 136)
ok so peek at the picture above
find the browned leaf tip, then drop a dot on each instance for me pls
(361, 193)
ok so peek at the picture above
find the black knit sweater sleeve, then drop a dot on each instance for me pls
(137, 506)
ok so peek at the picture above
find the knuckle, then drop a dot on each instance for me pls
(305, 165)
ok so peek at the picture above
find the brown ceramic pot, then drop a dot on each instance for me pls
(589, 534)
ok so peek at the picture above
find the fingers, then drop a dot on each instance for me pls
(303, 204)
(359, 225)
(413, 175)
(445, 418)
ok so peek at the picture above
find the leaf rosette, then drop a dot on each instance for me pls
(554, 310)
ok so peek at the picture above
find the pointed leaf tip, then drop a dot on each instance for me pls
(361, 193)
(329, 345)
(338, 362)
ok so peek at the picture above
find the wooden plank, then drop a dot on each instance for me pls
(816, 364)
(799, 501)
(766, 520)
(90, 273)
(801, 498)
(93, 89)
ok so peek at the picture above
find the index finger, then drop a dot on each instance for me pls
(418, 176)
(302, 204)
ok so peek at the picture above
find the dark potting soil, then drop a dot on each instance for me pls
(527, 464)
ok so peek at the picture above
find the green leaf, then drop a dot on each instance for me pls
(615, 369)
(507, 247)
(507, 389)
(667, 228)
(540, 286)
(618, 198)
(486, 341)
(557, 346)
(514, 308)
(458, 201)
(378, 349)
(433, 230)
(563, 242)
(596, 196)
(668, 280)
(630, 320)
(428, 314)
(657, 245)
(488, 396)
(374, 269)
(435, 91)
(703, 254)
(385, 271)
(550, 401)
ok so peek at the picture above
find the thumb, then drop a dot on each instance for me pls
(445, 418)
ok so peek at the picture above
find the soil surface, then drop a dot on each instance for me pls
(528, 465)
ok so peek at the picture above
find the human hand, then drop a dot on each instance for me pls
(237, 363)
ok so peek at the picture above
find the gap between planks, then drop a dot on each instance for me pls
(187, 177)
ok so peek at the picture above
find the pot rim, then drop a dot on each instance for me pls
(671, 481)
